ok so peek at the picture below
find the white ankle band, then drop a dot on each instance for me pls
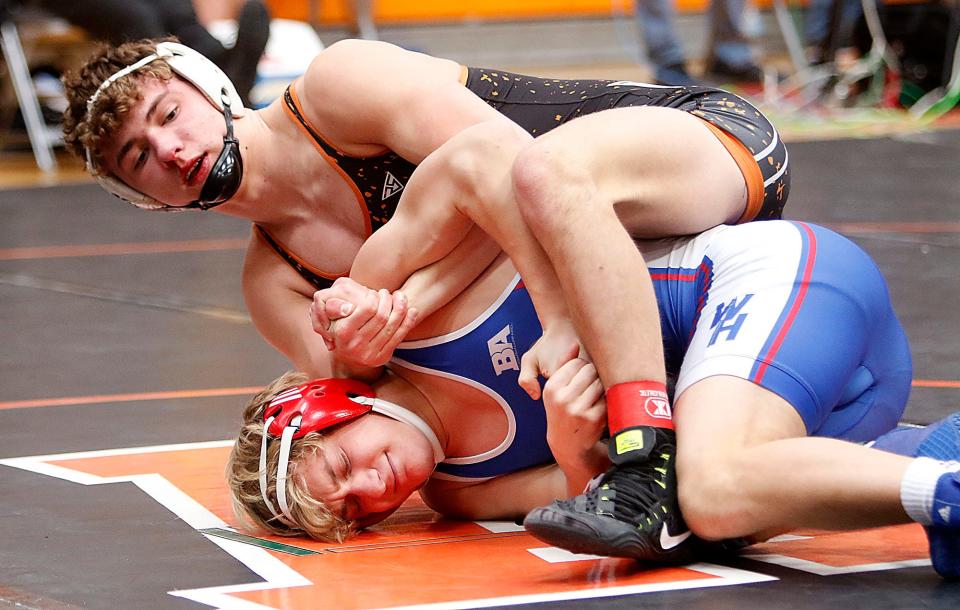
(918, 486)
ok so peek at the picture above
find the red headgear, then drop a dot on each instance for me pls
(318, 405)
(321, 404)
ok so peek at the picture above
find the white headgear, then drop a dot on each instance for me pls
(189, 65)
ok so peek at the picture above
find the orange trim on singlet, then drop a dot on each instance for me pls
(259, 231)
(353, 186)
(748, 167)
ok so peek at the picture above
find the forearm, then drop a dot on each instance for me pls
(426, 228)
(278, 306)
(489, 201)
(318, 362)
(298, 343)
(381, 261)
(434, 286)
(509, 496)
(539, 277)
(579, 470)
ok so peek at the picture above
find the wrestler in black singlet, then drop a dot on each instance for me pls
(538, 105)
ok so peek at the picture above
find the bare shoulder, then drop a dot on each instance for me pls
(355, 59)
(359, 82)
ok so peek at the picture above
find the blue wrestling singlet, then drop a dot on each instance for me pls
(792, 307)
(485, 355)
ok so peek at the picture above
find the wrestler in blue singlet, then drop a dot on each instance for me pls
(792, 307)
(486, 355)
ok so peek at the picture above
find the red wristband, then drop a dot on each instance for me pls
(638, 403)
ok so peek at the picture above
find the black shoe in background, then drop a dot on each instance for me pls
(745, 73)
(674, 75)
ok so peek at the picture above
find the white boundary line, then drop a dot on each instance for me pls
(278, 574)
(272, 570)
(727, 576)
(822, 569)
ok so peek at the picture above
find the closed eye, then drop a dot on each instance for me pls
(141, 159)
(344, 465)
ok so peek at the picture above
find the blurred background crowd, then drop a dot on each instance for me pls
(798, 54)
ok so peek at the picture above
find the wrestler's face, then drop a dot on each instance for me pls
(168, 142)
(368, 467)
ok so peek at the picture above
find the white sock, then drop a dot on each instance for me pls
(919, 484)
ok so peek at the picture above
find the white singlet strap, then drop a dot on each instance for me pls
(408, 417)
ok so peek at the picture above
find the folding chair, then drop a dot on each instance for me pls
(42, 137)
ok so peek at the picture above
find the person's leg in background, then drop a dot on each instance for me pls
(816, 29)
(828, 27)
(729, 55)
(239, 61)
(656, 18)
(138, 19)
(180, 19)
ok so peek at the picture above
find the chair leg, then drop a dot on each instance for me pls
(363, 16)
(791, 37)
(41, 139)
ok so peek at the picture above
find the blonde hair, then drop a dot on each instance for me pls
(81, 132)
(310, 516)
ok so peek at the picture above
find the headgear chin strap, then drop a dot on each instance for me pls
(227, 172)
(318, 405)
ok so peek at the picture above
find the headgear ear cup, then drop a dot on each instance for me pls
(321, 404)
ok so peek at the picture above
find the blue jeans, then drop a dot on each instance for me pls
(728, 44)
(818, 21)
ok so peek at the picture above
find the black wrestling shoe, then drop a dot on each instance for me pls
(632, 512)
(674, 75)
(748, 73)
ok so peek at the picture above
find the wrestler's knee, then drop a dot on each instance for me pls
(544, 177)
(709, 492)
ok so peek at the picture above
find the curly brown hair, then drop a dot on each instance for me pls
(311, 516)
(81, 132)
